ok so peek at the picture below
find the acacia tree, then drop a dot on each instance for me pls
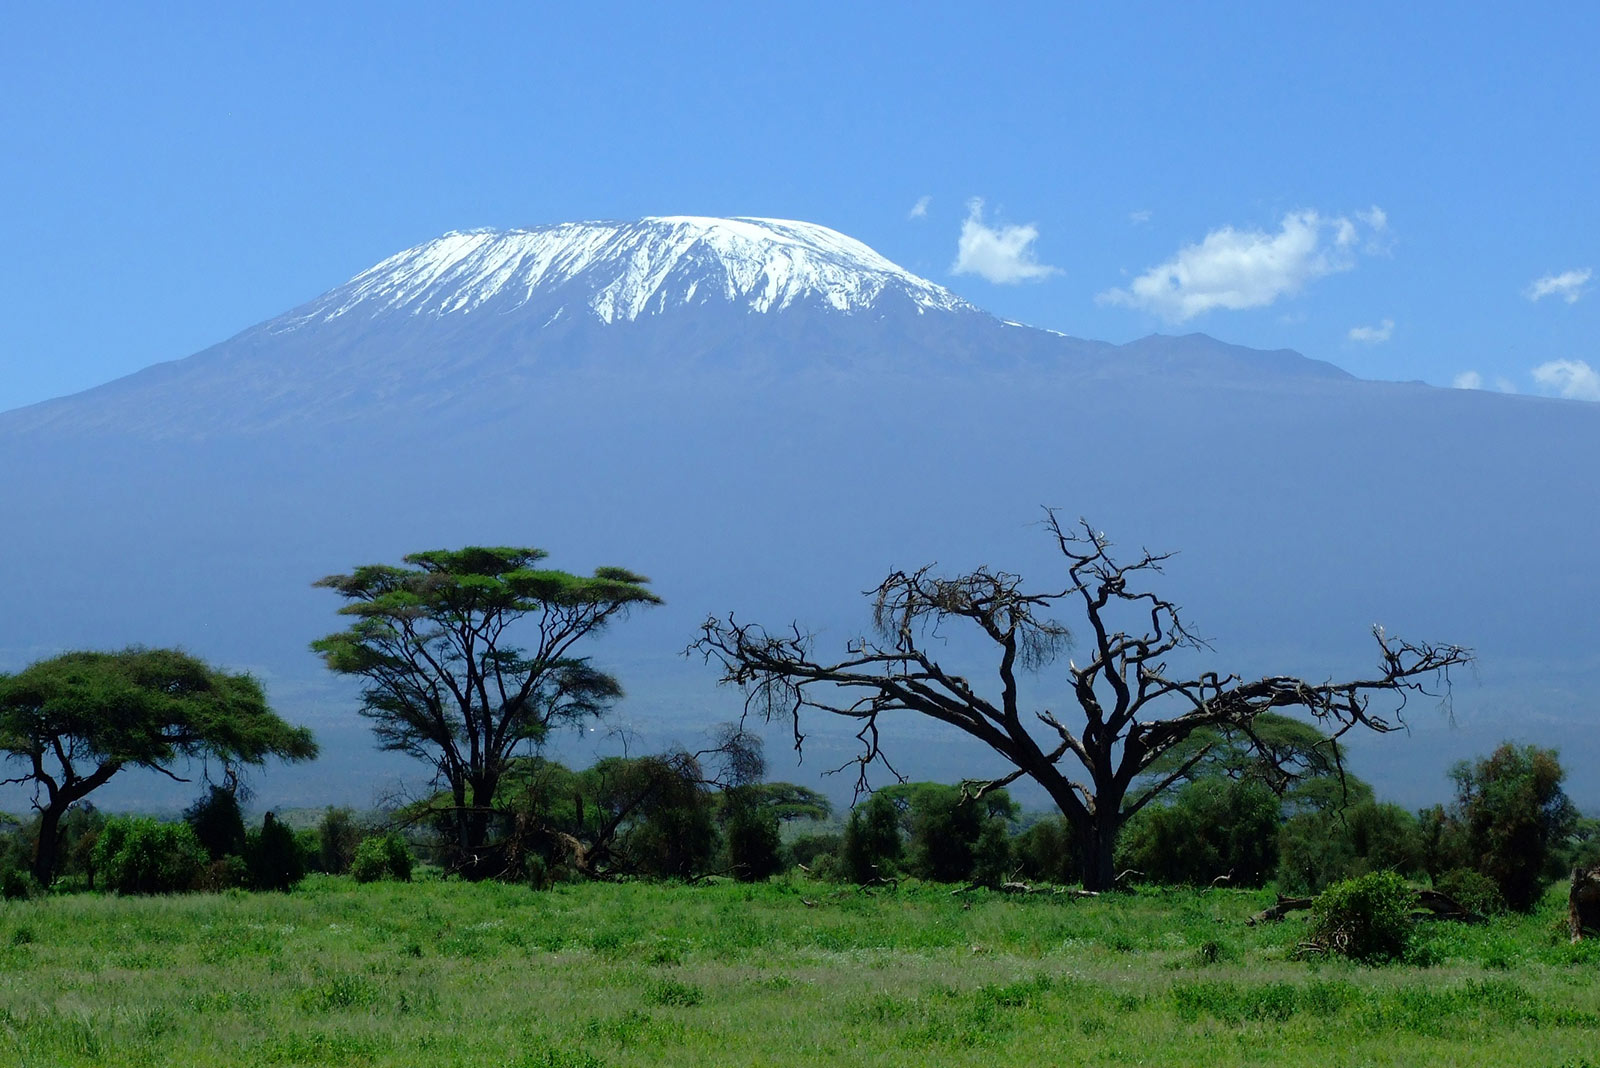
(1132, 710)
(445, 682)
(77, 719)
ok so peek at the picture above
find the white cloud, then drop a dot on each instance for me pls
(1374, 335)
(1569, 378)
(919, 210)
(1139, 218)
(1567, 285)
(998, 254)
(1238, 269)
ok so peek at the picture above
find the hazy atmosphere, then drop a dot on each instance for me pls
(799, 535)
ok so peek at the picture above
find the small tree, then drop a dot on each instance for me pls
(138, 855)
(1213, 827)
(76, 720)
(217, 822)
(445, 681)
(1133, 710)
(871, 846)
(1512, 817)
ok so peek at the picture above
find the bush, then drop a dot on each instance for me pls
(1318, 849)
(17, 884)
(810, 849)
(217, 823)
(1044, 852)
(383, 856)
(139, 855)
(871, 846)
(1366, 919)
(1472, 890)
(274, 856)
(1214, 826)
(338, 837)
(1512, 819)
(750, 833)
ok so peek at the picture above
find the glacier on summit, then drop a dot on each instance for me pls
(620, 271)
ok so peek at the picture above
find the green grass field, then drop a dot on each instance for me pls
(448, 973)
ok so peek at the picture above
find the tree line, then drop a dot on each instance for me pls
(470, 659)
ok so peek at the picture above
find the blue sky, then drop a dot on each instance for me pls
(1408, 191)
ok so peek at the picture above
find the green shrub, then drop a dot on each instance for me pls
(139, 855)
(217, 822)
(1365, 919)
(1472, 890)
(274, 856)
(870, 846)
(1319, 848)
(18, 883)
(338, 837)
(750, 833)
(1211, 827)
(383, 856)
(1045, 852)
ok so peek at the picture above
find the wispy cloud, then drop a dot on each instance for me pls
(1373, 335)
(1237, 269)
(1139, 218)
(1569, 378)
(1001, 254)
(1568, 285)
(919, 210)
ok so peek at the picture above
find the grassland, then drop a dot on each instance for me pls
(448, 973)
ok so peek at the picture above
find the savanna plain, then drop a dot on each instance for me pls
(447, 973)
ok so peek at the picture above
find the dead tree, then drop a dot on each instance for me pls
(1132, 710)
(1583, 902)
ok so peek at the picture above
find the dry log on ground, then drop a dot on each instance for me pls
(1445, 907)
(1284, 906)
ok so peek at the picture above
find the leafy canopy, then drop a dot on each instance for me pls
(447, 682)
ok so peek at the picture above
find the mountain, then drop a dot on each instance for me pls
(766, 417)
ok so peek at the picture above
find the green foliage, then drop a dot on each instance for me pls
(139, 855)
(1510, 817)
(1367, 918)
(434, 642)
(217, 822)
(274, 856)
(1473, 890)
(1212, 827)
(871, 845)
(944, 828)
(1581, 849)
(750, 835)
(661, 812)
(1320, 847)
(338, 837)
(382, 856)
(77, 719)
(1045, 851)
(18, 883)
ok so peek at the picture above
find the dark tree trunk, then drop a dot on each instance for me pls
(46, 852)
(1097, 847)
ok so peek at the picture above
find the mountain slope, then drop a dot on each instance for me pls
(486, 317)
(775, 463)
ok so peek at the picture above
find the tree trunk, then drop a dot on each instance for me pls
(46, 851)
(1097, 844)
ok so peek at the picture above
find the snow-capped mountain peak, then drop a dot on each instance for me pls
(620, 271)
